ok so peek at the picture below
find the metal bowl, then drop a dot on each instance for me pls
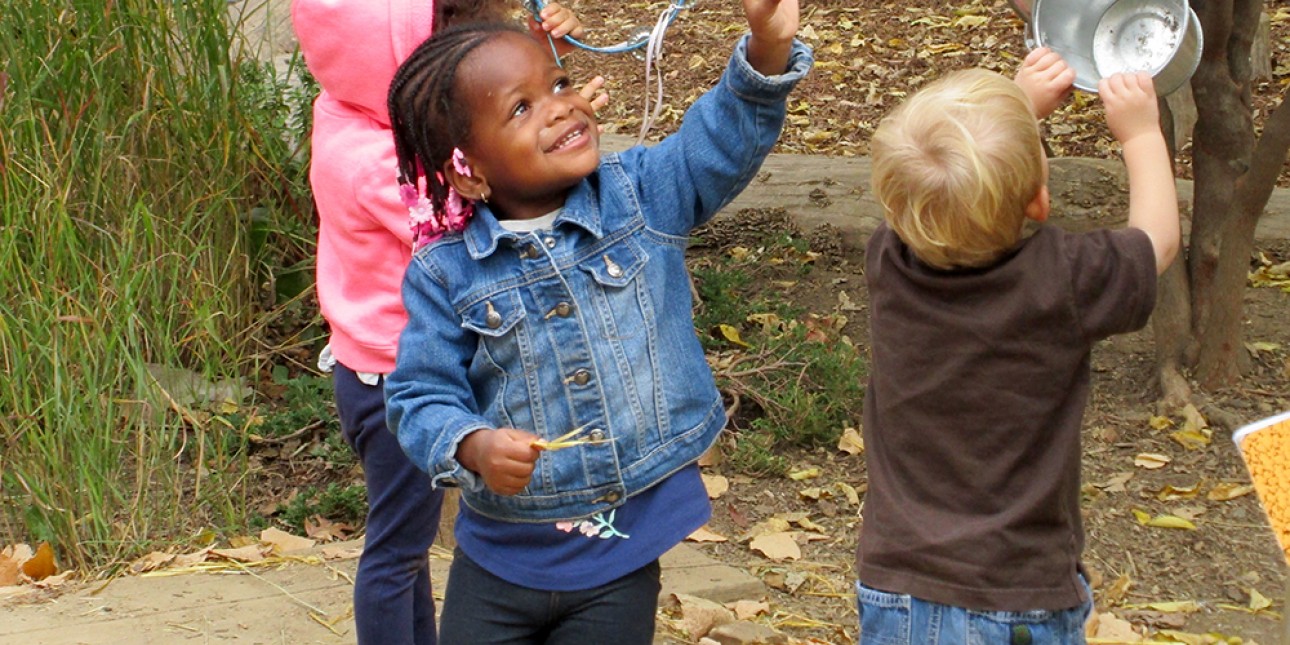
(1098, 38)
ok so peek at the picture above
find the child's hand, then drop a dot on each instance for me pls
(773, 24)
(503, 457)
(594, 92)
(1130, 101)
(1046, 80)
(557, 21)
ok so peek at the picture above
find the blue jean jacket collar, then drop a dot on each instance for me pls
(483, 232)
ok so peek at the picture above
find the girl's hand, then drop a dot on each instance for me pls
(557, 22)
(1046, 80)
(594, 92)
(773, 24)
(503, 457)
(1131, 109)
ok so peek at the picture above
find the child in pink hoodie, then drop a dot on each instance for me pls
(353, 48)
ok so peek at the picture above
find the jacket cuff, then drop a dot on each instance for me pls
(751, 85)
(450, 472)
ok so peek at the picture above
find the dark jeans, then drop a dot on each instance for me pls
(480, 608)
(392, 601)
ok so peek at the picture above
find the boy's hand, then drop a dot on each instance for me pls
(558, 22)
(503, 457)
(773, 24)
(1130, 101)
(1046, 80)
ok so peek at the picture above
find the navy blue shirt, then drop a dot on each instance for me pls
(573, 556)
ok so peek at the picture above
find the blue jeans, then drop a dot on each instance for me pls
(901, 619)
(392, 601)
(480, 608)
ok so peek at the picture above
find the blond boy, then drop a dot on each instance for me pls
(981, 337)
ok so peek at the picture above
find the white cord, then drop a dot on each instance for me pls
(653, 49)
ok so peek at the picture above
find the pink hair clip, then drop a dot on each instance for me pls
(459, 163)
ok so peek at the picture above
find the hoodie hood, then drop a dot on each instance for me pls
(354, 47)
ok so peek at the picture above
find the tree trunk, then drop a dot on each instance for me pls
(1222, 237)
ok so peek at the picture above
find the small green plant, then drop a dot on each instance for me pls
(336, 502)
(791, 376)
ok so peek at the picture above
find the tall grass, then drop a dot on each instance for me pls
(130, 159)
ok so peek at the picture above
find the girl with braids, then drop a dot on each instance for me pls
(353, 48)
(550, 367)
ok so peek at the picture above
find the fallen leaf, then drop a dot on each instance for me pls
(1151, 460)
(248, 553)
(851, 442)
(1160, 423)
(1169, 493)
(1224, 491)
(41, 565)
(731, 334)
(1115, 594)
(811, 493)
(767, 526)
(283, 542)
(1115, 483)
(848, 491)
(341, 553)
(704, 534)
(1191, 439)
(700, 615)
(1170, 522)
(1170, 607)
(804, 474)
(8, 571)
(324, 530)
(716, 485)
(747, 609)
(1108, 628)
(777, 546)
(151, 562)
(1258, 601)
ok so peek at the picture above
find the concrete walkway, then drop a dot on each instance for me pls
(294, 604)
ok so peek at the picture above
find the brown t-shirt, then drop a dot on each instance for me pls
(972, 417)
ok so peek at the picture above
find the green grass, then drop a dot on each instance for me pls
(795, 379)
(133, 151)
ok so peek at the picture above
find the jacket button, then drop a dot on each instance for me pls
(529, 252)
(549, 242)
(563, 309)
(581, 377)
(612, 268)
(611, 497)
(596, 435)
(492, 318)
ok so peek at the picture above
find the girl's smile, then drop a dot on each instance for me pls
(532, 135)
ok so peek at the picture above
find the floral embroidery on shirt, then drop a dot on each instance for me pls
(597, 525)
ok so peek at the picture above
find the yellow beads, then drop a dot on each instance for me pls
(1267, 455)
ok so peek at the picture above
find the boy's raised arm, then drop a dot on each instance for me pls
(773, 24)
(1133, 116)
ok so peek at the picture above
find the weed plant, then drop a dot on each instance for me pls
(134, 147)
(792, 377)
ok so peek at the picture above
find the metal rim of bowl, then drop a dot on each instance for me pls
(1191, 30)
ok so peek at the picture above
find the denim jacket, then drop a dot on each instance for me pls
(586, 325)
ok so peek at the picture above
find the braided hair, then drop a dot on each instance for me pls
(426, 114)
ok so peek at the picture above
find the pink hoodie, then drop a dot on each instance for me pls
(353, 48)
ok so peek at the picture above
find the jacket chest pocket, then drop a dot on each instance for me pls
(497, 320)
(622, 299)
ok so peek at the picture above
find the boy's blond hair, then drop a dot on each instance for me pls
(955, 167)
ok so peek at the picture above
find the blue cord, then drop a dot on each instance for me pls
(535, 7)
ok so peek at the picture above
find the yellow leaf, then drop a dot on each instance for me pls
(1178, 492)
(970, 21)
(1142, 516)
(1170, 607)
(1170, 522)
(1258, 601)
(1151, 460)
(804, 474)
(731, 334)
(1160, 423)
(812, 493)
(851, 442)
(696, 61)
(1191, 439)
(704, 534)
(1225, 491)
